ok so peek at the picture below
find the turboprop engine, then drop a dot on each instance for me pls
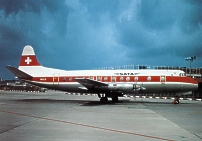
(123, 87)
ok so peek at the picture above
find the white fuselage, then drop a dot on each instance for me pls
(119, 81)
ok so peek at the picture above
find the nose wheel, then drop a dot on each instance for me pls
(176, 100)
(115, 99)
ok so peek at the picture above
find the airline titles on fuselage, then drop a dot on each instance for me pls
(126, 73)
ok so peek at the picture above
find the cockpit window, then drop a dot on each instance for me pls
(182, 74)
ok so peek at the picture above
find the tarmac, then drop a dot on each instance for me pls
(56, 116)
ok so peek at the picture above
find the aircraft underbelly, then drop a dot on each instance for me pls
(148, 88)
(168, 88)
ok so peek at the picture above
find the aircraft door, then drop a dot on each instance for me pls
(56, 78)
(162, 79)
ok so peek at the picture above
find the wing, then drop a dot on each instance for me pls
(89, 83)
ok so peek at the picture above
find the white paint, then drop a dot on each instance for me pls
(28, 50)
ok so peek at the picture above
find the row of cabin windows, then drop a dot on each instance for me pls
(114, 78)
(127, 78)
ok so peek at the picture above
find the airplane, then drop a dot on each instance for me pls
(105, 83)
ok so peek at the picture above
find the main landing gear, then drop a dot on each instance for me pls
(115, 99)
(104, 99)
(176, 100)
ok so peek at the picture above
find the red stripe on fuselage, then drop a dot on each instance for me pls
(108, 79)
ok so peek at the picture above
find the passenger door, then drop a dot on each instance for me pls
(162, 79)
(56, 80)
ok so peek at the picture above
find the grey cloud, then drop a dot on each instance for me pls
(85, 34)
(158, 14)
(14, 6)
(9, 33)
(157, 20)
(97, 10)
(192, 21)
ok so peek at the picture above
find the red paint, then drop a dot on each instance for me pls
(118, 79)
(29, 60)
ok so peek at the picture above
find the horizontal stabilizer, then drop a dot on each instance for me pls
(20, 74)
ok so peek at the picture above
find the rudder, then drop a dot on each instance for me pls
(28, 57)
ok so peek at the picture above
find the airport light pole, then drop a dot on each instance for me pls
(190, 59)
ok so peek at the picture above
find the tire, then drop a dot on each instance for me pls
(115, 99)
(103, 100)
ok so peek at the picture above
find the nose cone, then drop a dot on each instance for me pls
(188, 88)
(194, 87)
(193, 84)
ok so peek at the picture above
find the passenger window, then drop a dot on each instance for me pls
(64, 79)
(121, 78)
(70, 79)
(98, 78)
(128, 78)
(91, 77)
(136, 79)
(105, 78)
(149, 78)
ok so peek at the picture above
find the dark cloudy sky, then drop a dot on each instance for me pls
(87, 34)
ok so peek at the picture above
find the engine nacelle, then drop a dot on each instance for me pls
(123, 87)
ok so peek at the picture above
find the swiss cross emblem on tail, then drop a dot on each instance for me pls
(28, 57)
(28, 60)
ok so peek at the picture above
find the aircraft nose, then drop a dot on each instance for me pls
(195, 87)
(190, 87)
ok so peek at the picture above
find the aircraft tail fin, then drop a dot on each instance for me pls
(28, 57)
(29, 66)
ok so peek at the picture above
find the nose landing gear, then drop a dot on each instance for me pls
(176, 100)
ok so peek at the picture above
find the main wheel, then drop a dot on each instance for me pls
(115, 99)
(104, 100)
